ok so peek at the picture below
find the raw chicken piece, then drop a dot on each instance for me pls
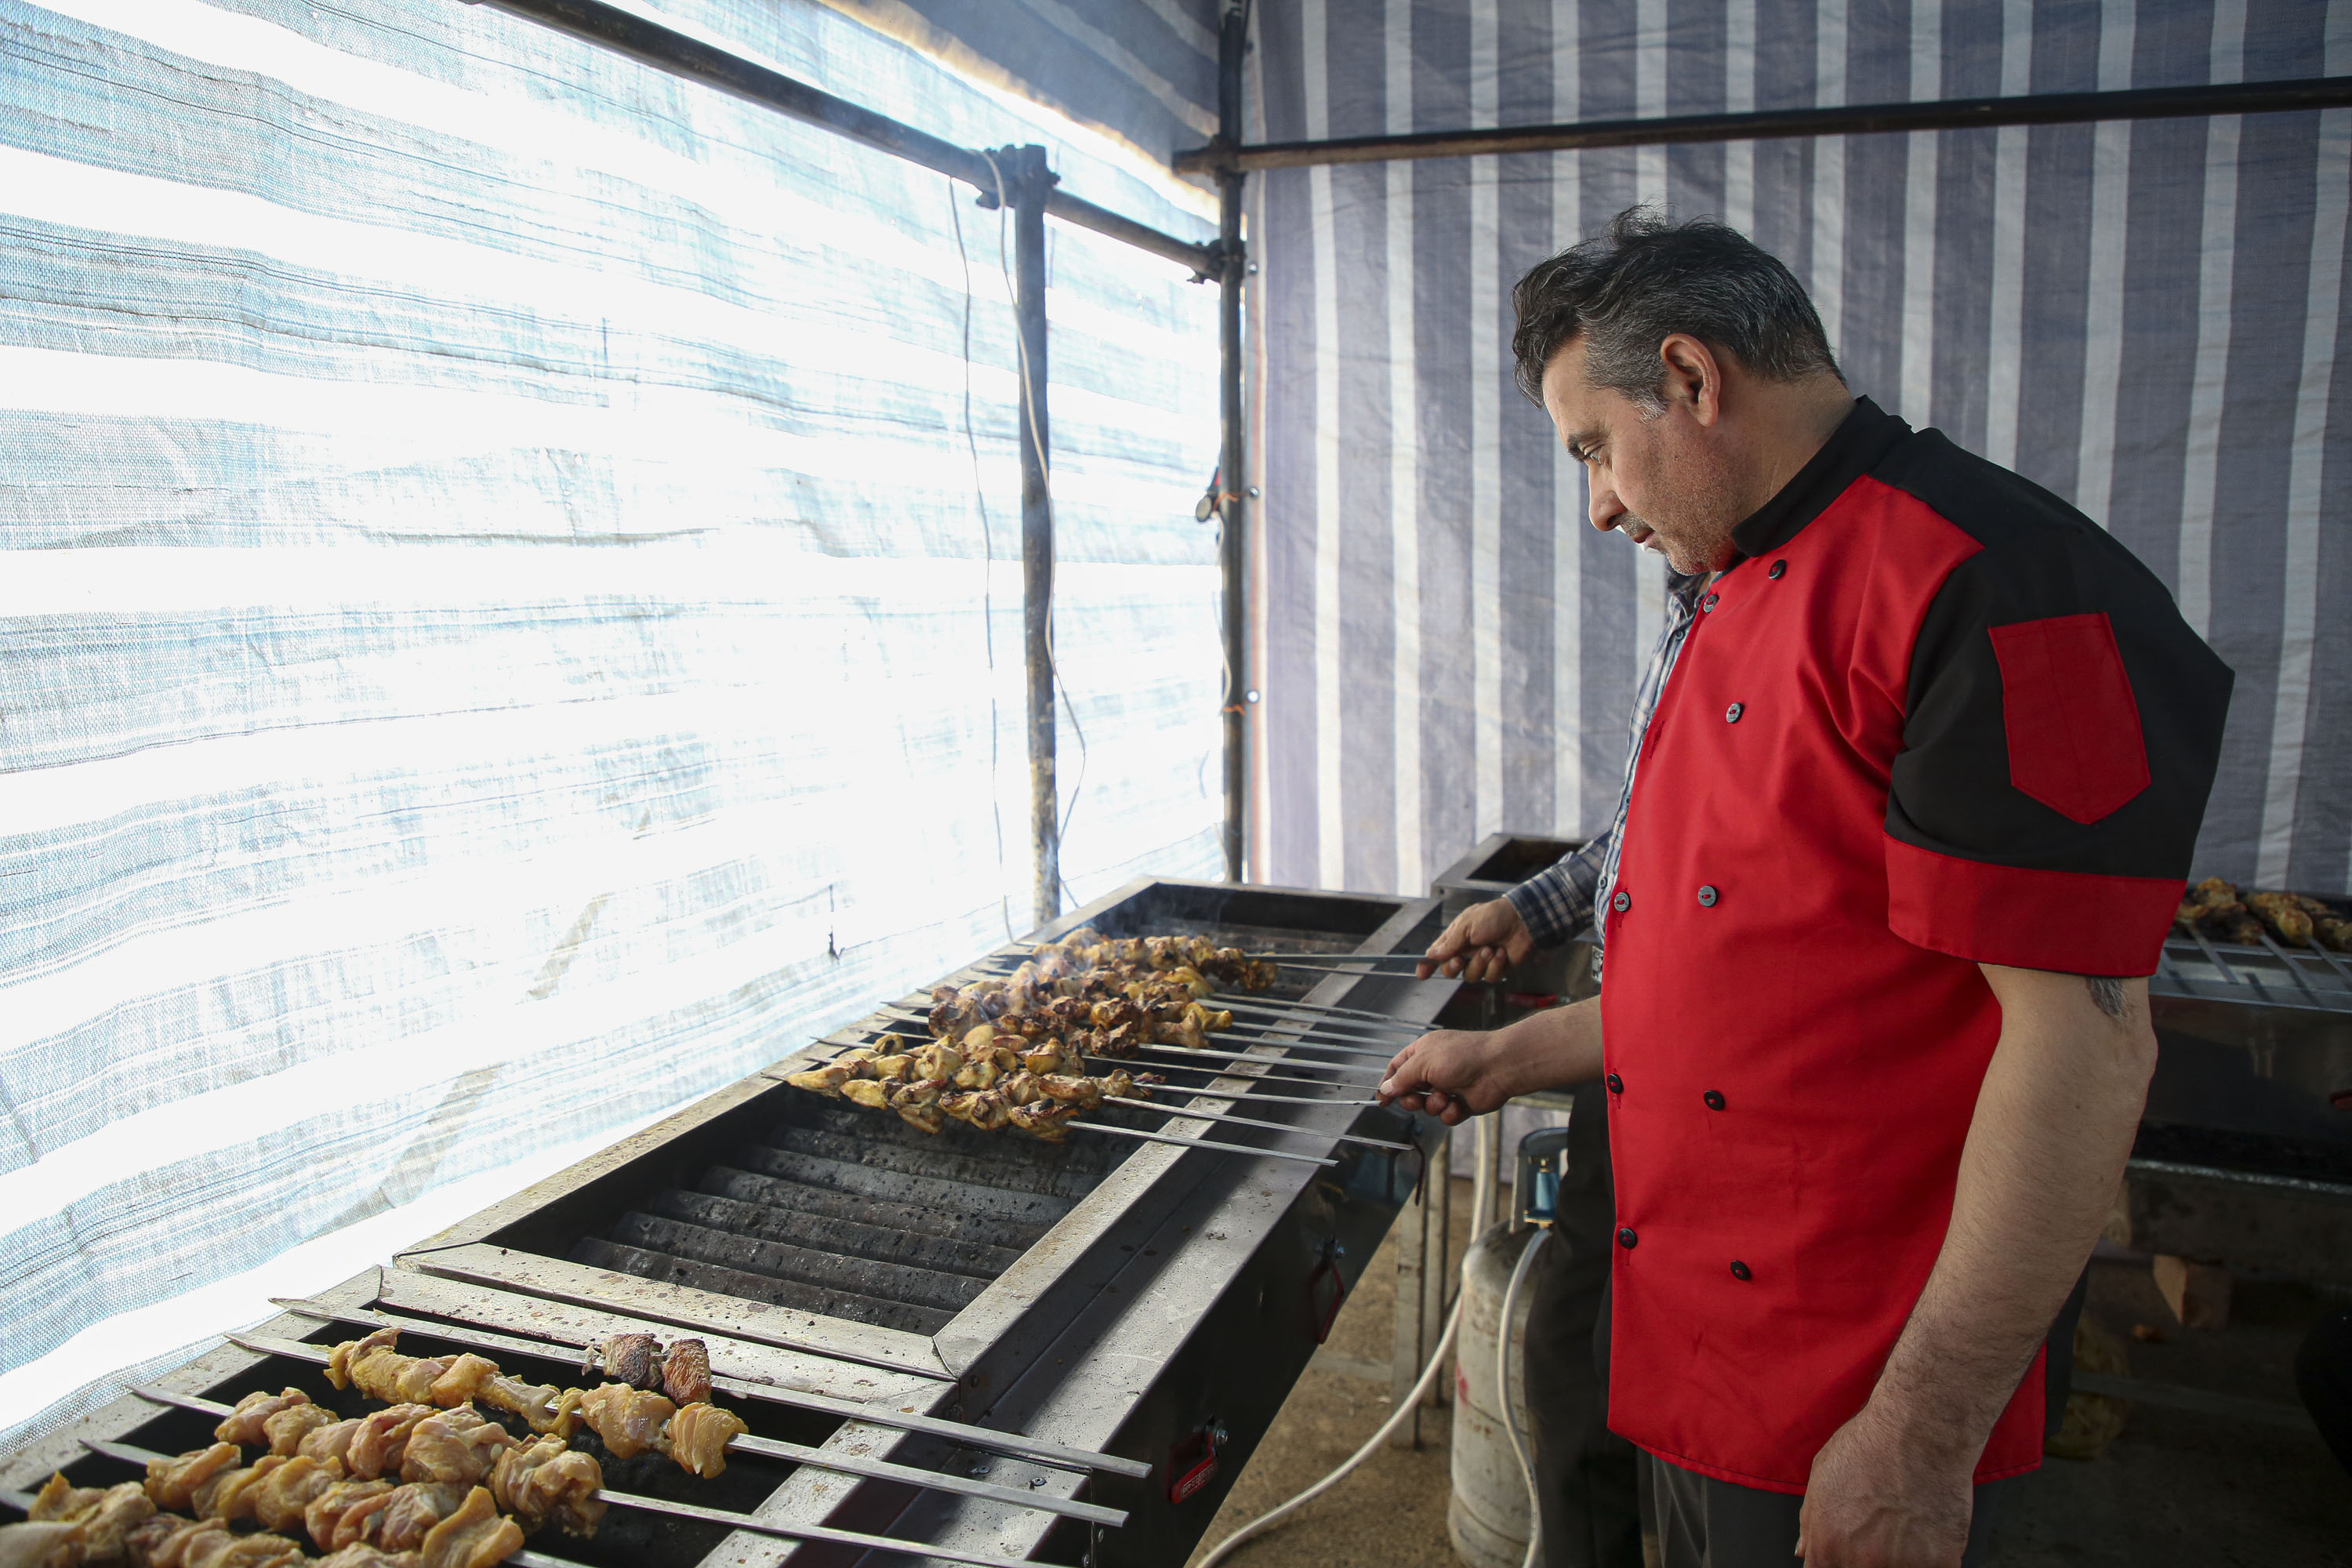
(697, 1436)
(284, 1431)
(381, 1443)
(208, 1551)
(548, 1483)
(338, 1516)
(360, 1554)
(41, 1545)
(279, 1498)
(475, 1536)
(172, 1483)
(227, 1496)
(243, 1425)
(107, 1517)
(456, 1446)
(413, 1512)
(629, 1421)
(331, 1442)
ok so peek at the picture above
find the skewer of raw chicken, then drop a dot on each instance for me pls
(122, 1524)
(629, 1421)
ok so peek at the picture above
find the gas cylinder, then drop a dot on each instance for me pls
(1487, 1518)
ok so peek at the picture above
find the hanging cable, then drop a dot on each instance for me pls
(987, 569)
(1503, 1395)
(1045, 468)
(1396, 1418)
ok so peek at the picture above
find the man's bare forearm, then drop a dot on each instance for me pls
(1554, 1048)
(2046, 1148)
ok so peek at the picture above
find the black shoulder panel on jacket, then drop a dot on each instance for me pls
(1957, 787)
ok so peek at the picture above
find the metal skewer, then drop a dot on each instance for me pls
(1116, 1130)
(1159, 1049)
(1177, 1056)
(751, 1522)
(1203, 1059)
(988, 1437)
(1362, 1018)
(908, 1015)
(774, 1449)
(1192, 1115)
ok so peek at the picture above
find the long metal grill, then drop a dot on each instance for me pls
(856, 1215)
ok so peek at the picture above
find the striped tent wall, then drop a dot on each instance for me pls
(512, 607)
(2144, 318)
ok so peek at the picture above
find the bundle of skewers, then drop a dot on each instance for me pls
(1014, 1052)
(2216, 908)
(1037, 1087)
(429, 1481)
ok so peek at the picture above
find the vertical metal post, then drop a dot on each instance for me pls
(1407, 1348)
(1028, 179)
(1436, 1274)
(1233, 45)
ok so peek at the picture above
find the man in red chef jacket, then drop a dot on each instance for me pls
(1899, 845)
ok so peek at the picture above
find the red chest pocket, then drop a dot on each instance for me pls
(2072, 723)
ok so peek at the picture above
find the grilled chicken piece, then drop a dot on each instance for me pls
(983, 1108)
(330, 1442)
(283, 1431)
(546, 1483)
(633, 1359)
(454, 1447)
(338, 1517)
(2334, 930)
(229, 1494)
(940, 1060)
(412, 1511)
(1043, 1119)
(872, 1093)
(686, 1372)
(474, 1535)
(826, 1080)
(2284, 915)
(172, 1483)
(629, 1420)
(918, 1104)
(1083, 1093)
(381, 1443)
(51, 1544)
(697, 1435)
(243, 1425)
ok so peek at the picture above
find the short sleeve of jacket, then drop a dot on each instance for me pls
(2060, 733)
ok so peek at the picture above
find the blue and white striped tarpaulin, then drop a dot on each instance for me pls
(2143, 318)
(496, 628)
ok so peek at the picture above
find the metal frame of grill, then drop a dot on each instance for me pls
(2246, 1156)
(1160, 1308)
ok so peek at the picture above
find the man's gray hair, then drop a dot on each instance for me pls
(1641, 280)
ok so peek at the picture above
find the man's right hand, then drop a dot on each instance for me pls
(1485, 942)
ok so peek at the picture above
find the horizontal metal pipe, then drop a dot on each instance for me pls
(625, 33)
(1054, 1454)
(774, 1449)
(1773, 124)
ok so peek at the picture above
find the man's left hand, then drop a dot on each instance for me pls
(1875, 1500)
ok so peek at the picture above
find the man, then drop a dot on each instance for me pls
(1901, 842)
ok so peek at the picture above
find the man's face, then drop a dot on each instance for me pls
(1665, 479)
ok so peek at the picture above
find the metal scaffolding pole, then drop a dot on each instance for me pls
(1028, 182)
(1232, 45)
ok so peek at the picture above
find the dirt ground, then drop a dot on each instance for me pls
(2177, 1490)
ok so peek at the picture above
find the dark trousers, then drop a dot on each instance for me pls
(1702, 1523)
(1587, 1477)
(2323, 1375)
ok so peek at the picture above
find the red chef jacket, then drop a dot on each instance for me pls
(1935, 717)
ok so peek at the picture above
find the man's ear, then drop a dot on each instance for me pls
(1693, 377)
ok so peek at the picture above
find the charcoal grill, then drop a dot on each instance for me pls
(2245, 1155)
(977, 1307)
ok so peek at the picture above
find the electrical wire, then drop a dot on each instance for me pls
(1396, 1418)
(987, 570)
(1045, 471)
(1503, 1395)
